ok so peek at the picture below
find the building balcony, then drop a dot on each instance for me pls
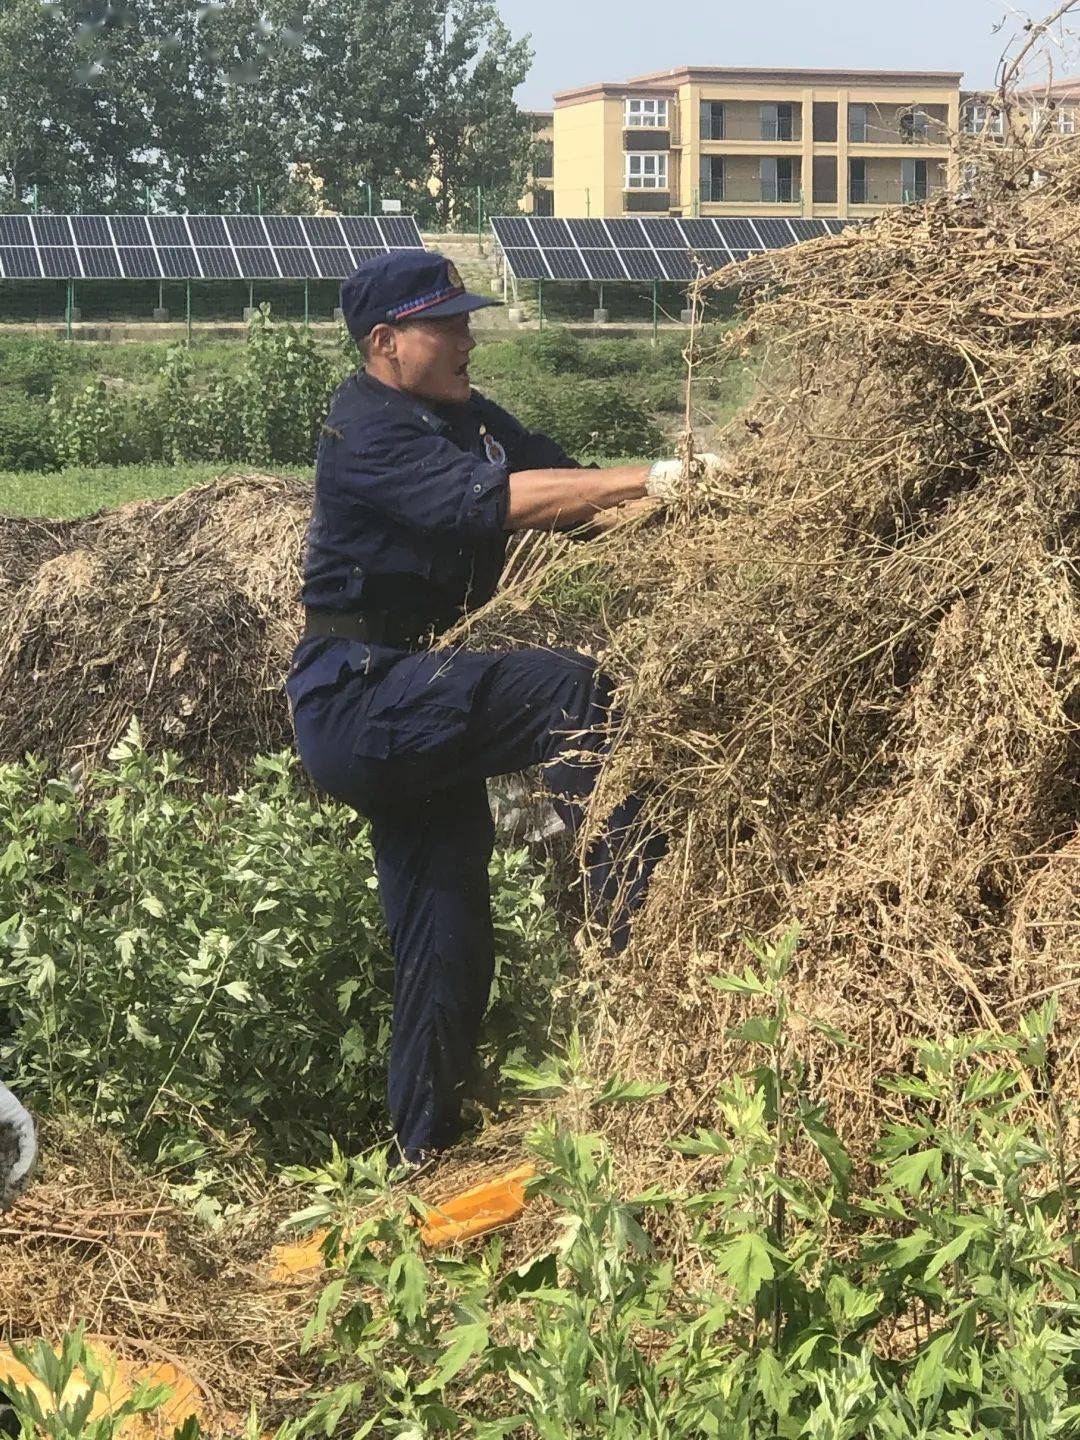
(750, 192)
(899, 126)
(647, 202)
(753, 132)
(892, 192)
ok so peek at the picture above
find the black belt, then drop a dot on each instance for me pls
(378, 627)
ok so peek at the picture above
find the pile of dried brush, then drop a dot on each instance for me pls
(99, 1241)
(850, 682)
(181, 612)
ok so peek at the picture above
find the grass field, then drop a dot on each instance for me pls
(68, 494)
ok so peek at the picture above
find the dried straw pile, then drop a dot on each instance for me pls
(850, 683)
(97, 1240)
(180, 612)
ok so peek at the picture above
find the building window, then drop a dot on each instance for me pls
(711, 180)
(983, 120)
(712, 120)
(646, 171)
(777, 122)
(777, 181)
(544, 159)
(543, 202)
(858, 190)
(914, 181)
(646, 114)
(1066, 121)
(914, 126)
(858, 124)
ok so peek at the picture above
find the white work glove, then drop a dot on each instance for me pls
(18, 1147)
(665, 478)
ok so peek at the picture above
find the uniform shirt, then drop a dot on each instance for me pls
(409, 514)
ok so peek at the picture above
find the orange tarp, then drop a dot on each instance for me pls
(121, 1378)
(474, 1212)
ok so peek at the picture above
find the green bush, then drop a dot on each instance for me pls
(104, 425)
(598, 417)
(167, 954)
(35, 367)
(934, 1296)
(27, 441)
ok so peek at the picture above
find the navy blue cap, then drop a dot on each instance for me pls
(404, 285)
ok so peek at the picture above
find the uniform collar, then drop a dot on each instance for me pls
(437, 420)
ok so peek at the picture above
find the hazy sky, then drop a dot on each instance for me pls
(578, 41)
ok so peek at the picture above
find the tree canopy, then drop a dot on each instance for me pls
(214, 106)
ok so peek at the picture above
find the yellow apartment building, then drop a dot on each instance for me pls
(539, 197)
(717, 141)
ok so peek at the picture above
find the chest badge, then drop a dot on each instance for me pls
(493, 449)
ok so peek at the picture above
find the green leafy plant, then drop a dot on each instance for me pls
(173, 957)
(66, 1416)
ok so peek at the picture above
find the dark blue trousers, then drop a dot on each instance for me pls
(417, 768)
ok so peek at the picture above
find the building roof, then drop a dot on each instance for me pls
(664, 82)
(1067, 89)
(761, 75)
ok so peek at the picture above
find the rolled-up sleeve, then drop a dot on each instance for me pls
(423, 481)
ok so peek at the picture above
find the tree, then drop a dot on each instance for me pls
(479, 138)
(210, 105)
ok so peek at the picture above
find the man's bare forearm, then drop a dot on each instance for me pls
(564, 499)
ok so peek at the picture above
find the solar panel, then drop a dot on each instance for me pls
(713, 259)
(59, 262)
(178, 262)
(20, 262)
(642, 265)
(603, 265)
(15, 230)
(663, 234)
(131, 229)
(208, 230)
(323, 230)
(256, 263)
(52, 229)
(628, 234)
(808, 229)
(590, 234)
(566, 265)
(776, 233)
(246, 230)
(218, 263)
(527, 264)
(737, 233)
(91, 230)
(652, 247)
(401, 232)
(515, 233)
(284, 230)
(334, 262)
(294, 260)
(363, 231)
(552, 234)
(677, 264)
(700, 233)
(169, 229)
(220, 247)
(99, 261)
(139, 262)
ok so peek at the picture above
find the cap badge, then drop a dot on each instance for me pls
(453, 276)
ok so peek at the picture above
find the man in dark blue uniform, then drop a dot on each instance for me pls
(419, 483)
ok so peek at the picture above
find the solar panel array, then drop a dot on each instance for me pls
(649, 248)
(197, 247)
